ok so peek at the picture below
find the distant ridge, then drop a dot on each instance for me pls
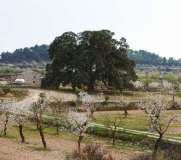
(39, 53)
(144, 57)
(36, 53)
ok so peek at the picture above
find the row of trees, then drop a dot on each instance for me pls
(82, 59)
(36, 53)
(144, 57)
(48, 104)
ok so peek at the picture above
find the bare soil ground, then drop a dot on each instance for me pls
(58, 149)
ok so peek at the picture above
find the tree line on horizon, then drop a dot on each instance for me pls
(40, 53)
(36, 53)
(145, 57)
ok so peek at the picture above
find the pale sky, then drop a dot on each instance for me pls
(151, 25)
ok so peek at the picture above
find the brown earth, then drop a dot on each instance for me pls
(57, 150)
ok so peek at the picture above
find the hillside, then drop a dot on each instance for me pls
(40, 54)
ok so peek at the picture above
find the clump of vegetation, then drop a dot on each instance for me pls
(93, 152)
(6, 90)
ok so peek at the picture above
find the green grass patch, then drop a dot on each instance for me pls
(135, 120)
(132, 121)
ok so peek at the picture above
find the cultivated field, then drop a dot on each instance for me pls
(128, 146)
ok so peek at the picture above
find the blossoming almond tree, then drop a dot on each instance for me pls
(90, 102)
(155, 106)
(20, 115)
(77, 124)
(166, 86)
(138, 84)
(54, 100)
(153, 85)
(6, 108)
(38, 108)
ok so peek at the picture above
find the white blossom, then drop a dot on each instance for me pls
(54, 99)
(7, 107)
(90, 102)
(166, 85)
(153, 85)
(137, 84)
(155, 106)
(76, 123)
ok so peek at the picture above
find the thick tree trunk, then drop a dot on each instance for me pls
(92, 80)
(156, 147)
(21, 133)
(42, 137)
(91, 84)
(80, 138)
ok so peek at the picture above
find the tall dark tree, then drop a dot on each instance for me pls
(75, 55)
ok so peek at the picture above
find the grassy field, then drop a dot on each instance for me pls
(138, 120)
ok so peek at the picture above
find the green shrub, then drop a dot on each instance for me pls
(6, 90)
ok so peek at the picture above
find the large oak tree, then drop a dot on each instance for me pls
(74, 55)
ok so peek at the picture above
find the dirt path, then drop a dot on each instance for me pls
(33, 95)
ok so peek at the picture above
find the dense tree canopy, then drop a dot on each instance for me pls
(36, 53)
(74, 56)
(144, 57)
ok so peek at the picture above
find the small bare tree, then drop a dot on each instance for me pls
(155, 106)
(112, 123)
(77, 124)
(122, 102)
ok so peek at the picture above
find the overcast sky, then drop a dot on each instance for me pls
(152, 25)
